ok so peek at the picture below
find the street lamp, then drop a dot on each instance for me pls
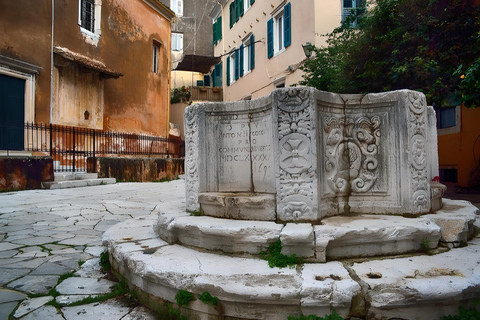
(308, 49)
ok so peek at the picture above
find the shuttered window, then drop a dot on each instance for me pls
(279, 31)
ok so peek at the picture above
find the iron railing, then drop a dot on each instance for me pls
(71, 146)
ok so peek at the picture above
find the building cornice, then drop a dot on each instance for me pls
(161, 9)
(217, 8)
(19, 65)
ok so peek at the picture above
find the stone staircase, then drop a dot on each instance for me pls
(65, 180)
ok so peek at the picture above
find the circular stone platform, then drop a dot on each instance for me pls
(218, 255)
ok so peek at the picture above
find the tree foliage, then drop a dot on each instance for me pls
(426, 45)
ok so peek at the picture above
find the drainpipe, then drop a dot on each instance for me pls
(224, 67)
(51, 65)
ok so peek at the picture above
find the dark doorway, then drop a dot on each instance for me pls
(12, 112)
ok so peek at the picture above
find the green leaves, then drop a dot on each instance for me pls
(276, 258)
(404, 44)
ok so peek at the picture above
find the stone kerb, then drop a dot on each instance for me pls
(319, 154)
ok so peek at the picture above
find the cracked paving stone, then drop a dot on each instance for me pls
(10, 295)
(4, 246)
(32, 241)
(50, 268)
(8, 254)
(45, 312)
(91, 269)
(9, 274)
(30, 263)
(7, 308)
(34, 284)
(140, 313)
(65, 300)
(112, 310)
(30, 305)
(78, 285)
(95, 251)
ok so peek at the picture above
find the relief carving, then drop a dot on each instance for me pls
(351, 150)
(191, 156)
(419, 188)
(297, 176)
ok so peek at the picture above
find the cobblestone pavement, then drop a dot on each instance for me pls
(52, 239)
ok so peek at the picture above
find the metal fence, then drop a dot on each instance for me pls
(71, 146)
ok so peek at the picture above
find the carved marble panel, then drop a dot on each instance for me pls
(297, 179)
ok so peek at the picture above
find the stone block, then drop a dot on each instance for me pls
(327, 285)
(238, 206)
(225, 235)
(456, 220)
(298, 239)
(372, 235)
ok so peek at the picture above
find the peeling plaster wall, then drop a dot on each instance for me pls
(138, 102)
(25, 31)
(78, 92)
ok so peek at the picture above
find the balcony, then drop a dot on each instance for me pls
(206, 94)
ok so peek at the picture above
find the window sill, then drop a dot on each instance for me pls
(89, 33)
(278, 53)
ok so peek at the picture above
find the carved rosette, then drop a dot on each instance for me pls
(417, 146)
(191, 157)
(296, 195)
(351, 150)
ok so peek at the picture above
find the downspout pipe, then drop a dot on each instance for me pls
(51, 64)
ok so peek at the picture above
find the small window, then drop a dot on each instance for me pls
(279, 31)
(448, 175)
(446, 118)
(278, 40)
(248, 55)
(87, 15)
(155, 57)
(247, 5)
(217, 30)
(217, 75)
(352, 9)
(177, 7)
(177, 42)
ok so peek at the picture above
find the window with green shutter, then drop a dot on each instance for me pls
(240, 60)
(228, 71)
(287, 25)
(279, 31)
(237, 10)
(217, 30)
(241, 6)
(270, 38)
(232, 14)
(236, 63)
(252, 2)
(252, 52)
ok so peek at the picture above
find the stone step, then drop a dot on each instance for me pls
(66, 176)
(408, 288)
(77, 183)
(336, 238)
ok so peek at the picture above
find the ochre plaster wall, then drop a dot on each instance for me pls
(456, 149)
(25, 35)
(138, 101)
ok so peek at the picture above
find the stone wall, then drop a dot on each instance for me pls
(137, 169)
(19, 173)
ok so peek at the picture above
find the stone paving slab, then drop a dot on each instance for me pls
(79, 285)
(30, 305)
(111, 310)
(52, 230)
